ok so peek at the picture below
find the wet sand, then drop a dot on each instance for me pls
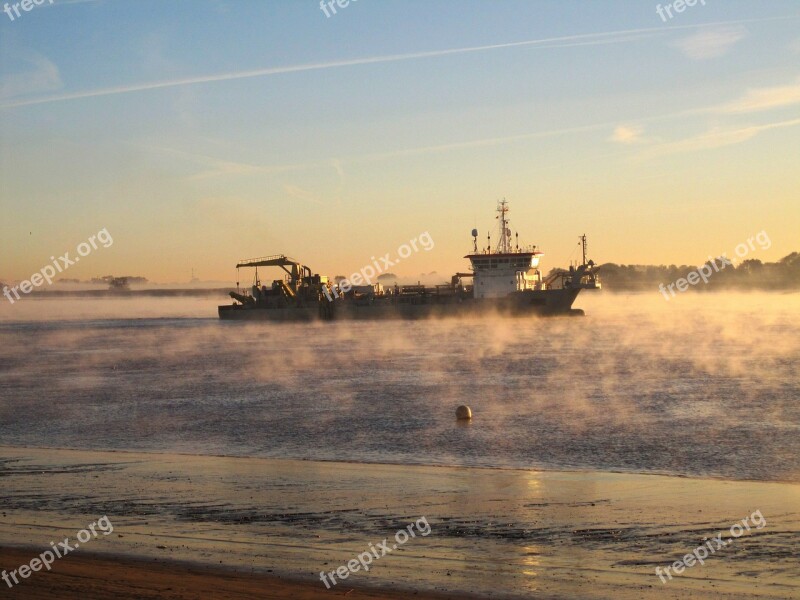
(119, 578)
(494, 533)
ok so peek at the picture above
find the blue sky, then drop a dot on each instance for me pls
(199, 132)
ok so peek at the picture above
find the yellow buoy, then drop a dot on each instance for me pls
(463, 413)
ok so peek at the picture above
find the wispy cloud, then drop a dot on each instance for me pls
(622, 133)
(715, 138)
(43, 77)
(215, 167)
(337, 165)
(627, 134)
(712, 43)
(765, 99)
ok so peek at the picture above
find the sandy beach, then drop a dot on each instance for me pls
(123, 578)
(235, 527)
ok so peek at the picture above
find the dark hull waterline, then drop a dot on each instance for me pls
(541, 303)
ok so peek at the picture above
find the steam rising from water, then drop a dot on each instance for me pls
(702, 385)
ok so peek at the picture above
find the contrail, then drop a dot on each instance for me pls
(223, 167)
(554, 42)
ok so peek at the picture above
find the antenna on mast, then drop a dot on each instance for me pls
(504, 245)
(583, 246)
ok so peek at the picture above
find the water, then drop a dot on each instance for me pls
(705, 385)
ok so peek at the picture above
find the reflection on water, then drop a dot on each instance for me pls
(702, 385)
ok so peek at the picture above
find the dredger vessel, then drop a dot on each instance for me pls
(504, 280)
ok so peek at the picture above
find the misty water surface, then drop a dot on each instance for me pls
(705, 385)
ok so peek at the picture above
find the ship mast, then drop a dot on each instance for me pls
(504, 245)
(583, 246)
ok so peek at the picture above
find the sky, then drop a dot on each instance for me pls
(201, 132)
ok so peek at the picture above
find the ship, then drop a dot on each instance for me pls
(505, 279)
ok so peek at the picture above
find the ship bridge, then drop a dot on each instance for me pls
(509, 268)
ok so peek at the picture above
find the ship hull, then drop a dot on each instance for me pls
(527, 303)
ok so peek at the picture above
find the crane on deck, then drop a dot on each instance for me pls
(299, 285)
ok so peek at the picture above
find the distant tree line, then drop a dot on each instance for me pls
(751, 274)
(107, 279)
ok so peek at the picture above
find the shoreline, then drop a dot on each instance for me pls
(540, 470)
(495, 533)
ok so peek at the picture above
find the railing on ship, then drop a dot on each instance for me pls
(520, 250)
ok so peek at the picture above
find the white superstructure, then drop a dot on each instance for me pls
(508, 268)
